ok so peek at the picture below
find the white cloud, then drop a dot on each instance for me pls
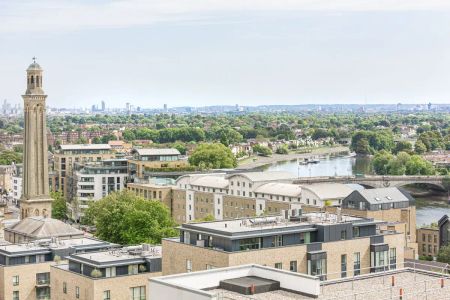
(63, 15)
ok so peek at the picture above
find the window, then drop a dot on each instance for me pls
(138, 293)
(343, 235)
(429, 248)
(343, 265)
(278, 266)
(429, 238)
(16, 295)
(43, 278)
(251, 243)
(356, 263)
(355, 231)
(77, 292)
(277, 241)
(423, 237)
(393, 258)
(293, 266)
(188, 265)
(424, 248)
(64, 288)
(110, 272)
(107, 295)
(15, 280)
(435, 239)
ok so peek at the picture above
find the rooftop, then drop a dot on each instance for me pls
(86, 147)
(42, 227)
(414, 284)
(385, 195)
(329, 190)
(265, 176)
(278, 188)
(157, 151)
(272, 222)
(214, 181)
(118, 255)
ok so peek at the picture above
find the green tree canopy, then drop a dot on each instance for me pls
(213, 155)
(8, 157)
(127, 219)
(444, 254)
(59, 206)
(262, 150)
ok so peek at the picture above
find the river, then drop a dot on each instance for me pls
(429, 208)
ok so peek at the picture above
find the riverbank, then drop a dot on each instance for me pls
(249, 164)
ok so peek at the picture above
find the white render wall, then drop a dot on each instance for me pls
(189, 286)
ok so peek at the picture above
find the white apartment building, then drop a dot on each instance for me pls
(96, 180)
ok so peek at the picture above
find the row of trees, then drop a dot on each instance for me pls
(385, 163)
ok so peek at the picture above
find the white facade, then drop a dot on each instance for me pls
(16, 188)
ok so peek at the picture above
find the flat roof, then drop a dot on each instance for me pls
(116, 256)
(271, 222)
(85, 147)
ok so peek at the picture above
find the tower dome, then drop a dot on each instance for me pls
(34, 67)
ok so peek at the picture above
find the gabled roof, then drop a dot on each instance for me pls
(385, 195)
(329, 190)
(265, 176)
(157, 151)
(42, 227)
(278, 188)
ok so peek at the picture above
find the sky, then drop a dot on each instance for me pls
(227, 52)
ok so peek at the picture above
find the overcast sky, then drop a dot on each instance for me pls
(247, 52)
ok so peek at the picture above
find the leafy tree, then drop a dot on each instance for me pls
(262, 150)
(181, 148)
(109, 137)
(362, 147)
(402, 146)
(59, 206)
(208, 218)
(8, 157)
(213, 155)
(444, 254)
(127, 219)
(282, 150)
(419, 147)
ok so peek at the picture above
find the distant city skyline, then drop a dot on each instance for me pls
(200, 53)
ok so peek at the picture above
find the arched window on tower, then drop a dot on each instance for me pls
(37, 80)
(32, 79)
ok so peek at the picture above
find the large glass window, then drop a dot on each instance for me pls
(278, 266)
(138, 293)
(277, 241)
(379, 260)
(42, 278)
(15, 280)
(248, 244)
(317, 267)
(343, 265)
(356, 263)
(355, 231)
(393, 258)
(107, 295)
(15, 295)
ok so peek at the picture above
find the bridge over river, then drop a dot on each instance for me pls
(377, 181)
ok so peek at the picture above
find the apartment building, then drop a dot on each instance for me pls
(16, 184)
(65, 159)
(95, 180)
(6, 173)
(321, 244)
(120, 273)
(388, 204)
(154, 158)
(152, 191)
(428, 241)
(25, 268)
(324, 194)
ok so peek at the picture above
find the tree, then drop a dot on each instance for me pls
(208, 218)
(127, 219)
(402, 146)
(8, 157)
(444, 254)
(59, 206)
(262, 150)
(282, 150)
(419, 147)
(213, 156)
(181, 148)
(362, 147)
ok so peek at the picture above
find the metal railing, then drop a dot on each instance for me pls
(394, 289)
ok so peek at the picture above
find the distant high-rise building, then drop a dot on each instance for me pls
(165, 107)
(103, 106)
(128, 106)
(429, 106)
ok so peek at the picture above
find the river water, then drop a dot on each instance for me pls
(429, 208)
